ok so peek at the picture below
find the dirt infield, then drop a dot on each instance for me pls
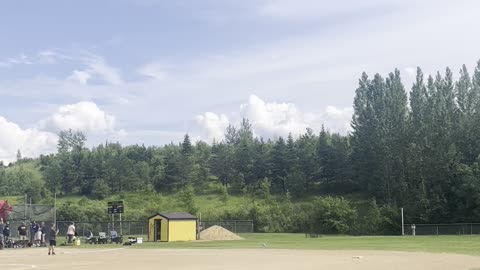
(254, 259)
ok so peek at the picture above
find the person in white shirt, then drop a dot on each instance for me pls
(71, 232)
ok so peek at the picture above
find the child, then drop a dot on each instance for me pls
(38, 238)
(52, 239)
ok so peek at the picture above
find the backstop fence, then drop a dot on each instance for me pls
(29, 213)
(442, 229)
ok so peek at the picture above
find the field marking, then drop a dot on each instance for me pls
(93, 251)
(20, 266)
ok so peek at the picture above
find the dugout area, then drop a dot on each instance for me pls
(172, 227)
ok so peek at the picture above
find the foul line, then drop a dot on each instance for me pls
(94, 251)
(20, 266)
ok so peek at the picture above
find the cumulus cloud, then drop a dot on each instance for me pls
(213, 125)
(272, 119)
(31, 142)
(84, 116)
(279, 119)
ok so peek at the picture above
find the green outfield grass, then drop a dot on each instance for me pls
(448, 244)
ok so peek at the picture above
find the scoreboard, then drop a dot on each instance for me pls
(115, 207)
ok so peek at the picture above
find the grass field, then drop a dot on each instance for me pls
(447, 244)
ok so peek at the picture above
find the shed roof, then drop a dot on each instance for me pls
(170, 216)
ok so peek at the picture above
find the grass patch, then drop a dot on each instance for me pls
(437, 244)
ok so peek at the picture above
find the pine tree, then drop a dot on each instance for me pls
(19, 155)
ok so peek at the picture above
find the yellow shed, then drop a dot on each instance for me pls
(171, 227)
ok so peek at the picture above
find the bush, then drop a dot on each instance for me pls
(187, 200)
(331, 215)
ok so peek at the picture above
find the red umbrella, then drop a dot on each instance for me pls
(5, 210)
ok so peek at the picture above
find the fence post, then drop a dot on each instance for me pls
(437, 230)
(471, 229)
(403, 225)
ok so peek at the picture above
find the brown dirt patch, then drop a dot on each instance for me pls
(217, 233)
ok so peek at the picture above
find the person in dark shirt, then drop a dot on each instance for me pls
(43, 231)
(52, 237)
(6, 231)
(22, 231)
(2, 227)
(33, 231)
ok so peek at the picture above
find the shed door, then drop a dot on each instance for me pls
(158, 229)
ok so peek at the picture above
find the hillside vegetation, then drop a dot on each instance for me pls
(419, 151)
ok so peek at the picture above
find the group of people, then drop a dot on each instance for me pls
(38, 234)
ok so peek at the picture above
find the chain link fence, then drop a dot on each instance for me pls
(140, 228)
(127, 228)
(27, 214)
(443, 229)
(235, 226)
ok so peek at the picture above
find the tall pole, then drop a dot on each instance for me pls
(55, 210)
(30, 209)
(121, 231)
(25, 210)
(403, 227)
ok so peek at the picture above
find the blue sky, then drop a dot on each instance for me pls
(149, 71)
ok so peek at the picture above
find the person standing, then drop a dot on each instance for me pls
(6, 232)
(38, 237)
(71, 232)
(52, 239)
(22, 232)
(33, 232)
(2, 227)
(43, 231)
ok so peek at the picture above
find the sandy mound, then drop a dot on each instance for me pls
(218, 233)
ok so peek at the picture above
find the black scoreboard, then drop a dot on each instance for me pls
(115, 207)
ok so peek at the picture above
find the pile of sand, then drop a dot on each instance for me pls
(218, 233)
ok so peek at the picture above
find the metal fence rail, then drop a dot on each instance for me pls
(236, 226)
(443, 229)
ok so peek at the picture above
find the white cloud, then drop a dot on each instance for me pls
(306, 9)
(213, 125)
(84, 116)
(22, 59)
(49, 56)
(411, 71)
(96, 69)
(153, 70)
(338, 119)
(99, 68)
(80, 77)
(31, 142)
(271, 119)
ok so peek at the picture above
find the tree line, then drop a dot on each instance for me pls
(417, 149)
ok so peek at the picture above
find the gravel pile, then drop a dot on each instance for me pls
(218, 233)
